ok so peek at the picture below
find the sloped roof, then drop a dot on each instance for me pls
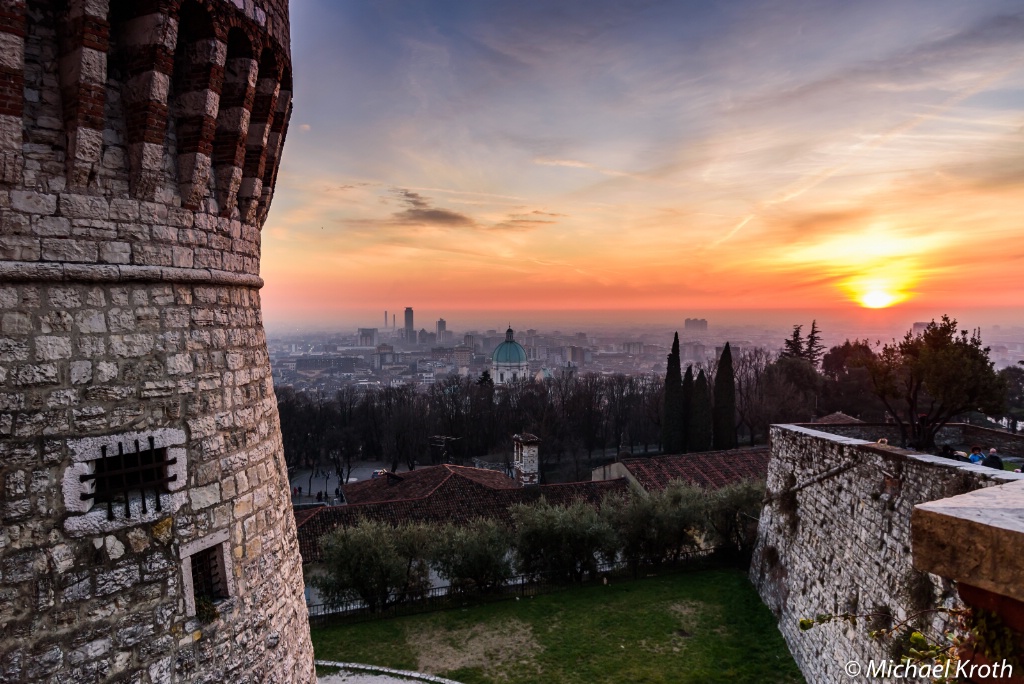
(710, 469)
(456, 499)
(838, 418)
(422, 482)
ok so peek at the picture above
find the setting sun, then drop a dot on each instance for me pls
(877, 299)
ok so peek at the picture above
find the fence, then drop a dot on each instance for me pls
(450, 596)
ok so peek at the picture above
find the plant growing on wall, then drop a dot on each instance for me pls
(972, 633)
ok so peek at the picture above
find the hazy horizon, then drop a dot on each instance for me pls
(868, 321)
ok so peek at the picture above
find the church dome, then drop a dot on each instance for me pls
(509, 351)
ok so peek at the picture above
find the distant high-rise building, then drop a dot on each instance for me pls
(462, 355)
(695, 324)
(368, 337)
(444, 354)
(469, 341)
(384, 356)
(441, 327)
(410, 331)
(919, 328)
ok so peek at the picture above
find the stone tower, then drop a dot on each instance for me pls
(147, 533)
(524, 458)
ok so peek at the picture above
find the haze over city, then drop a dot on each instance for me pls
(607, 162)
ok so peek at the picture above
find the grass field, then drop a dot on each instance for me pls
(698, 627)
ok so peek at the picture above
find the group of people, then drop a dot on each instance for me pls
(990, 460)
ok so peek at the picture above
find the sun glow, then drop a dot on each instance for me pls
(877, 299)
(881, 290)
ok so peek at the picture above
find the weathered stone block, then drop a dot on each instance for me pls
(50, 348)
(204, 497)
(19, 248)
(39, 374)
(30, 202)
(72, 250)
(84, 207)
(115, 253)
(118, 579)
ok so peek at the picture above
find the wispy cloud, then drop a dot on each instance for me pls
(792, 147)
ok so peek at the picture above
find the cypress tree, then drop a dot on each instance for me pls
(814, 349)
(671, 420)
(687, 405)
(699, 435)
(725, 403)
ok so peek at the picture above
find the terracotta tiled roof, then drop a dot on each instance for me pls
(838, 418)
(458, 498)
(304, 514)
(421, 482)
(711, 469)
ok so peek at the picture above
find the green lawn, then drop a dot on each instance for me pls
(701, 627)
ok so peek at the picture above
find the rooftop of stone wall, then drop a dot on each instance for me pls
(957, 435)
(270, 14)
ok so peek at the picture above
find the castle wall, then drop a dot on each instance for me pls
(131, 199)
(956, 435)
(834, 537)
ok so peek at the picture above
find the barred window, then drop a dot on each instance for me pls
(207, 575)
(206, 570)
(117, 481)
(139, 473)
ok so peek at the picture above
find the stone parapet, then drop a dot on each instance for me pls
(954, 434)
(976, 538)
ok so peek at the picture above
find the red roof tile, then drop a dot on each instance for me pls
(838, 418)
(711, 469)
(421, 482)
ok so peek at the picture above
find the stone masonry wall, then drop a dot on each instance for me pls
(957, 435)
(139, 147)
(834, 537)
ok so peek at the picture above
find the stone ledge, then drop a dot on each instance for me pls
(974, 538)
(376, 669)
(838, 439)
(31, 271)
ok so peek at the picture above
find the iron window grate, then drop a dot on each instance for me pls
(117, 477)
(207, 580)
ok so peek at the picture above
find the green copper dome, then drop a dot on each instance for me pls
(509, 351)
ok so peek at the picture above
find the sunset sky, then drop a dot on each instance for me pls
(688, 157)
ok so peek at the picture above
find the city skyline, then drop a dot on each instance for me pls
(627, 159)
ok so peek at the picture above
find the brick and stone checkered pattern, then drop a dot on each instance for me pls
(139, 145)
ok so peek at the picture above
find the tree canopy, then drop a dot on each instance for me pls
(926, 380)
